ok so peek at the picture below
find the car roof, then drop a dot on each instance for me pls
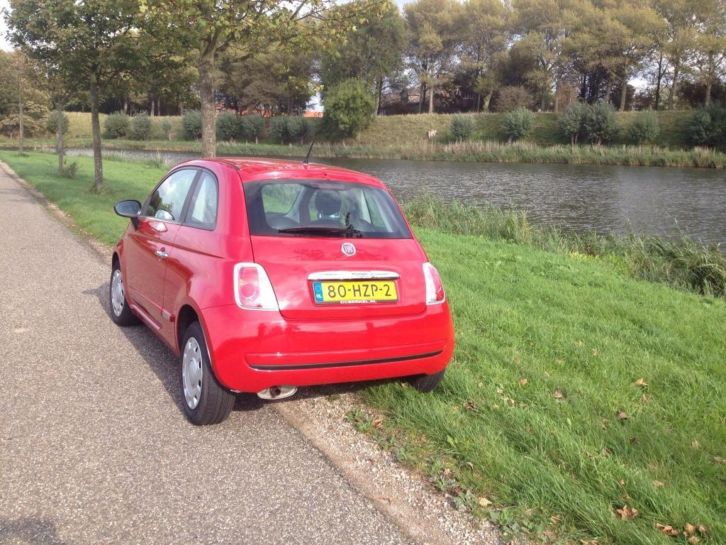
(252, 169)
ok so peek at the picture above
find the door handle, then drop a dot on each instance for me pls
(161, 254)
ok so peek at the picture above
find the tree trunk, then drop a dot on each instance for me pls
(674, 85)
(152, 109)
(658, 81)
(379, 93)
(59, 144)
(96, 132)
(431, 100)
(421, 97)
(709, 87)
(21, 127)
(206, 95)
(623, 94)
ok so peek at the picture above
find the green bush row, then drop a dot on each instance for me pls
(596, 124)
(137, 127)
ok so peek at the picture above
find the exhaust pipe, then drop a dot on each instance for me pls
(277, 392)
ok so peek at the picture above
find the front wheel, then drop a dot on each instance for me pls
(120, 312)
(205, 400)
(427, 383)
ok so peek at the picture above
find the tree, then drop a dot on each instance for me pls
(710, 45)
(369, 52)
(483, 39)
(546, 26)
(432, 26)
(90, 43)
(678, 17)
(209, 27)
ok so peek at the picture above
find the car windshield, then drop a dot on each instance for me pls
(322, 208)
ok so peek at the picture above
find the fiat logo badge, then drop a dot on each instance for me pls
(348, 248)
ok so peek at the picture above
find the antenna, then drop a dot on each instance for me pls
(310, 150)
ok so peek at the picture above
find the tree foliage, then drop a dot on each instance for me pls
(461, 127)
(517, 124)
(348, 108)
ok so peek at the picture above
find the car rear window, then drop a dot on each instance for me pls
(322, 208)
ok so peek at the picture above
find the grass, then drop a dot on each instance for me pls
(575, 389)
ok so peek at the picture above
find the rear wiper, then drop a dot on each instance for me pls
(348, 232)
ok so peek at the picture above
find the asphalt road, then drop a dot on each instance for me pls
(94, 447)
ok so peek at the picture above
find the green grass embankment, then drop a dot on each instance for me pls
(404, 137)
(582, 405)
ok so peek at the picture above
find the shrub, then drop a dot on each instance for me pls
(140, 127)
(511, 98)
(229, 126)
(708, 127)
(644, 129)
(572, 122)
(517, 124)
(349, 108)
(601, 126)
(52, 123)
(295, 129)
(251, 127)
(461, 127)
(278, 129)
(117, 125)
(166, 129)
(70, 170)
(311, 125)
(192, 125)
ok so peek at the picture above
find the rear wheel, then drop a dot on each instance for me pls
(120, 312)
(427, 383)
(205, 400)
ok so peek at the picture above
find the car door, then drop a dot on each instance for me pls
(149, 247)
(196, 246)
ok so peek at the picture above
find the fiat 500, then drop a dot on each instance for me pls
(263, 276)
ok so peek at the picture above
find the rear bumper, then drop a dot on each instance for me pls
(253, 350)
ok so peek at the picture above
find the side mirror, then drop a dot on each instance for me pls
(129, 209)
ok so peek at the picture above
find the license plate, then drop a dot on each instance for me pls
(356, 291)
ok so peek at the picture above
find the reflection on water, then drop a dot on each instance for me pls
(660, 201)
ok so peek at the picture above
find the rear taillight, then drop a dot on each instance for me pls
(434, 288)
(252, 288)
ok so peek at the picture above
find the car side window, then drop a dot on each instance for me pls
(167, 202)
(203, 208)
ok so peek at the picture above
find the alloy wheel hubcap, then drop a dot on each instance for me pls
(192, 373)
(117, 293)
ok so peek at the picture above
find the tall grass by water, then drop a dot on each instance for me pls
(682, 263)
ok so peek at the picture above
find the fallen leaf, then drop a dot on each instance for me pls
(377, 422)
(622, 416)
(658, 484)
(695, 444)
(667, 529)
(523, 381)
(555, 519)
(627, 513)
(689, 529)
(693, 540)
(484, 502)
(558, 395)
(641, 382)
(702, 530)
(470, 405)
(719, 460)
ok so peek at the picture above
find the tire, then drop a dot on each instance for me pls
(427, 383)
(120, 312)
(205, 401)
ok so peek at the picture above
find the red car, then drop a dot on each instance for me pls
(265, 275)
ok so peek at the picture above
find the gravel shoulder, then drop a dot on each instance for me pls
(94, 447)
